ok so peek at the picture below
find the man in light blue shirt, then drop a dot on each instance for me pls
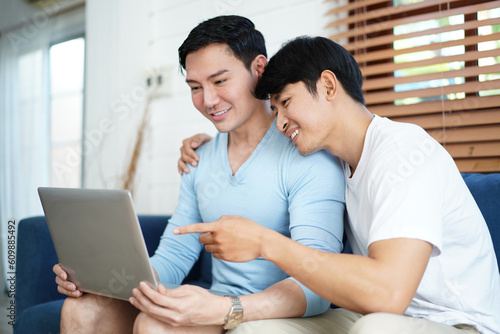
(249, 170)
(275, 187)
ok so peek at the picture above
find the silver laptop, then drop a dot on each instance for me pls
(98, 239)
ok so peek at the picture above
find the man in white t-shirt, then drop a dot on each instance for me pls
(423, 258)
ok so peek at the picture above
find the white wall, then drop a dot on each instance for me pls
(117, 35)
(118, 60)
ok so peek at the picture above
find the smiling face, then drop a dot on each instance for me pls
(221, 86)
(302, 117)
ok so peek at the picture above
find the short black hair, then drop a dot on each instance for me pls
(237, 32)
(304, 59)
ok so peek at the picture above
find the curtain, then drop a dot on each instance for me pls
(435, 63)
(24, 129)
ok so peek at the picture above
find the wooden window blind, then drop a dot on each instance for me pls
(434, 63)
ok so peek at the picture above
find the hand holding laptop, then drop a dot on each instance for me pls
(69, 288)
(178, 306)
(187, 305)
(63, 285)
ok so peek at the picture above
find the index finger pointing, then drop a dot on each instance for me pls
(195, 228)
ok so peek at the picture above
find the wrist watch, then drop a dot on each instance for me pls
(235, 315)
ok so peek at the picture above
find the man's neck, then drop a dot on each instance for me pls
(253, 130)
(243, 141)
(349, 145)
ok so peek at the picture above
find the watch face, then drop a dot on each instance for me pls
(237, 317)
(234, 319)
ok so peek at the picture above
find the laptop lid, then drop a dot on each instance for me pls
(98, 239)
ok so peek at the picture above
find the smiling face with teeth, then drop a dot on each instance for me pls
(221, 86)
(302, 117)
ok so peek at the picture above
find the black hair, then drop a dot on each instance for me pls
(237, 32)
(304, 59)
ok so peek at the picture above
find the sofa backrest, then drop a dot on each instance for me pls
(486, 191)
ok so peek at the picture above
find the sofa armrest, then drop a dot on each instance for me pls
(35, 281)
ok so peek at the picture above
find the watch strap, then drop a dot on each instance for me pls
(235, 315)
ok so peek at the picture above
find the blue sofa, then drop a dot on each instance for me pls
(38, 304)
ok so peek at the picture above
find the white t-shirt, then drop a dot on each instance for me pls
(407, 186)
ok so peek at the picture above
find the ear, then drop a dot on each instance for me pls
(258, 65)
(329, 84)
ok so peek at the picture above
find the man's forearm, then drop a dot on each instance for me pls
(284, 299)
(358, 283)
(315, 269)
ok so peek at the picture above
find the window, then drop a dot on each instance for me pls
(66, 95)
(434, 63)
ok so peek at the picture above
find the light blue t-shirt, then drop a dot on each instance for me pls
(300, 197)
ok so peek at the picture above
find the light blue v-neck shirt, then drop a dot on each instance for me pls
(300, 197)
